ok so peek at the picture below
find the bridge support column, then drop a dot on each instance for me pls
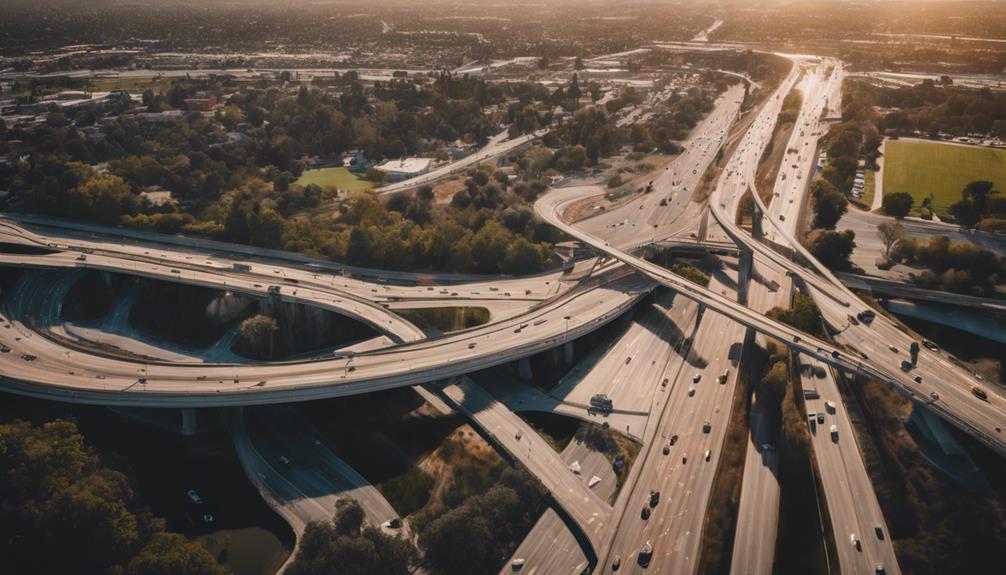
(106, 277)
(567, 353)
(756, 221)
(189, 424)
(524, 368)
(744, 275)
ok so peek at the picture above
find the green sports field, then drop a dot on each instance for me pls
(923, 168)
(339, 177)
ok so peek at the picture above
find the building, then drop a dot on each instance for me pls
(157, 196)
(405, 168)
(201, 103)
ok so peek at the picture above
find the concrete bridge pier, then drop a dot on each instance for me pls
(524, 368)
(106, 276)
(756, 220)
(189, 424)
(567, 353)
(744, 275)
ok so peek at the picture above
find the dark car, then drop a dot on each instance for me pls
(654, 498)
(645, 513)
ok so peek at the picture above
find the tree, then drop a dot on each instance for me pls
(891, 233)
(573, 91)
(63, 511)
(829, 208)
(898, 204)
(172, 554)
(522, 258)
(259, 330)
(773, 384)
(832, 248)
(349, 516)
(804, 314)
(347, 547)
(965, 214)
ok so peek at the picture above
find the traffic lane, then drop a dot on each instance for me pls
(682, 476)
(633, 366)
(851, 500)
(595, 303)
(510, 432)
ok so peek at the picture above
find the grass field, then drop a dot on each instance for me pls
(869, 187)
(923, 168)
(339, 177)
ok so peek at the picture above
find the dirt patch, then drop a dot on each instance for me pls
(463, 463)
(444, 191)
(768, 167)
(720, 522)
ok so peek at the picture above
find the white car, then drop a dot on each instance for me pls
(854, 540)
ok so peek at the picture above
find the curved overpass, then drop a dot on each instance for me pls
(81, 377)
(955, 403)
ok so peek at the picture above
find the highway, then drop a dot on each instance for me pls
(798, 165)
(299, 469)
(659, 214)
(941, 375)
(512, 434)
(550, 548)
(883, 287)
(88, 377)
(538, 313)
(641, 362)
(684, 476)
(497, 146)
(852, 502)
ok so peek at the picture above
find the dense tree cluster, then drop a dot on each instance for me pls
(672, 121)
(897, 204)
(803, 315)
(846, 142)
(832, 248)
(929, 108)
(829, 203)
(346, 546)
(952, 266)
(243, 192)
(63, 511)
(482, 532)
(978, 208)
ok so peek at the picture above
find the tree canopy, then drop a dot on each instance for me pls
(897, 204)
(63, 511)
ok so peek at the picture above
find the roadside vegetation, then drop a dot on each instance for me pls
(803, 314)
(937, 525)
(346, 545)
(445, 481)
(59, 493)
(690, 273)
(446, 319)
(720, 522)
(804, 525)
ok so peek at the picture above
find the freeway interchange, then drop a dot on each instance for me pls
(687, 391)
